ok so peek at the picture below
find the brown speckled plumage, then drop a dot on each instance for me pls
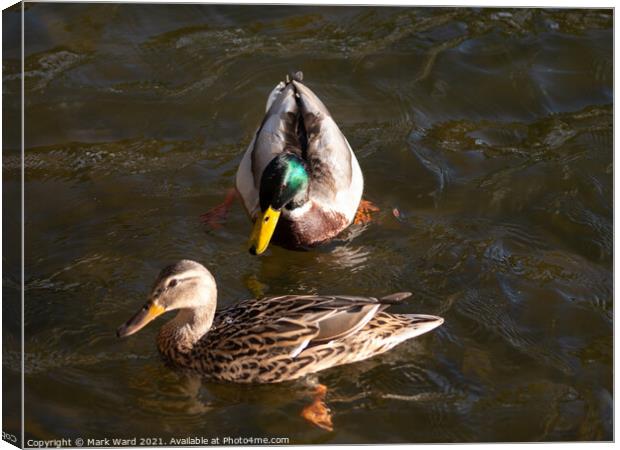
(275, 339)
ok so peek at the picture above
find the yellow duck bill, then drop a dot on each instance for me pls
(263, 230)
(140, 320)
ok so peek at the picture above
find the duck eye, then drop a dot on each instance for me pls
(172, 283)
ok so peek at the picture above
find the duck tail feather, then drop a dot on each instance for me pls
(295, 76)
(397, 297)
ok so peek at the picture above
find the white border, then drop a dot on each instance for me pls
(482, 3)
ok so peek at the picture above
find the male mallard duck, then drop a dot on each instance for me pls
(272, 339)
(299, 177)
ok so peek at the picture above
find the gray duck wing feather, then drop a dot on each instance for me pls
(288, 324)
(328, 152)
(276, 133)
(320, 142)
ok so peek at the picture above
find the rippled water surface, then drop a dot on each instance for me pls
(485, 137)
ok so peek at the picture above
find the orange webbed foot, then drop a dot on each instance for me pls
(317, 413)
(215, 217)
(365, 211)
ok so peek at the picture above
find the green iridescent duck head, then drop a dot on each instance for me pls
(284, 185)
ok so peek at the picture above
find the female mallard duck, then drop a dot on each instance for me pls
(299, 180)
(273, 339)
(269, 340)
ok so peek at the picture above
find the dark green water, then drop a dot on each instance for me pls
(488, 130)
